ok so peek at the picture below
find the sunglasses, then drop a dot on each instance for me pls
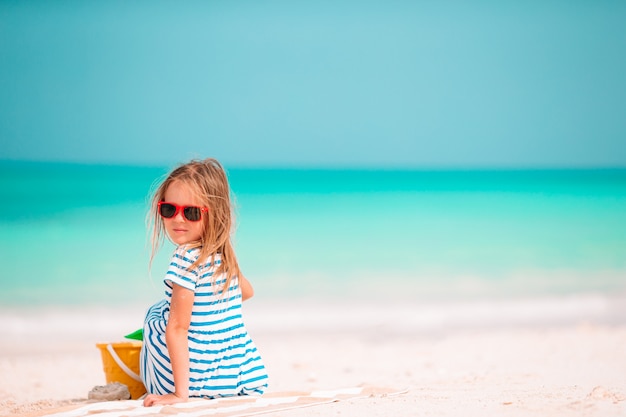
(191, 213)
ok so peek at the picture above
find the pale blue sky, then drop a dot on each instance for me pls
(319, 83)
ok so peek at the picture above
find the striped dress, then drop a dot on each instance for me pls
(223, 360)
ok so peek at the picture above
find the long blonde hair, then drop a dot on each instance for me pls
(208, 183)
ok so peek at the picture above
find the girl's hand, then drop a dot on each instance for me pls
(167, 399)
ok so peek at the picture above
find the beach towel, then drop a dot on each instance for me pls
(227, 407)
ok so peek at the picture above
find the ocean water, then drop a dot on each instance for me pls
(74, 235)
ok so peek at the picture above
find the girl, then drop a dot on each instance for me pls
(195, 341)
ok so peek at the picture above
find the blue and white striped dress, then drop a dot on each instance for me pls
(223, 359)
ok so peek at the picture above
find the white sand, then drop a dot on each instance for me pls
(543, 357)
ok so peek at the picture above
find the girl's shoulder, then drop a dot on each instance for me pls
(192, 253)
(189, 253)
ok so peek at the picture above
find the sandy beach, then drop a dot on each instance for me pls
(540, 357)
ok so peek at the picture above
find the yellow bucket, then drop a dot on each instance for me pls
(120, 362)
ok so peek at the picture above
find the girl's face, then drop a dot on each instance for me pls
(178, 228)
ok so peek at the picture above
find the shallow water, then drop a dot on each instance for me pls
(76, 233)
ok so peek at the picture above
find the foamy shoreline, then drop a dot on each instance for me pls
(58, 324)
(541, 356)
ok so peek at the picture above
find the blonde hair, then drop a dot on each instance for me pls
(208, 183)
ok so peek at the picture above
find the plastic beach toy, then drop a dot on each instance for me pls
(120, 362)
(136, 335)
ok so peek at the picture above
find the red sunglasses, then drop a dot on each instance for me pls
(191, 213)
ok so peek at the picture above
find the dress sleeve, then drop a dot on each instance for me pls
(178, 272)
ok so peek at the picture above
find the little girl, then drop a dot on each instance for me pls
(195, 341)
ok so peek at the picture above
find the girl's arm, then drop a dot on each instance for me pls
(246, 288)
(177, 347)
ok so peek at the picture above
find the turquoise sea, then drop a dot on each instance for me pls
(75, 234)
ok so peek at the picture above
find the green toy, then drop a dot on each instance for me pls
(136, 335)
